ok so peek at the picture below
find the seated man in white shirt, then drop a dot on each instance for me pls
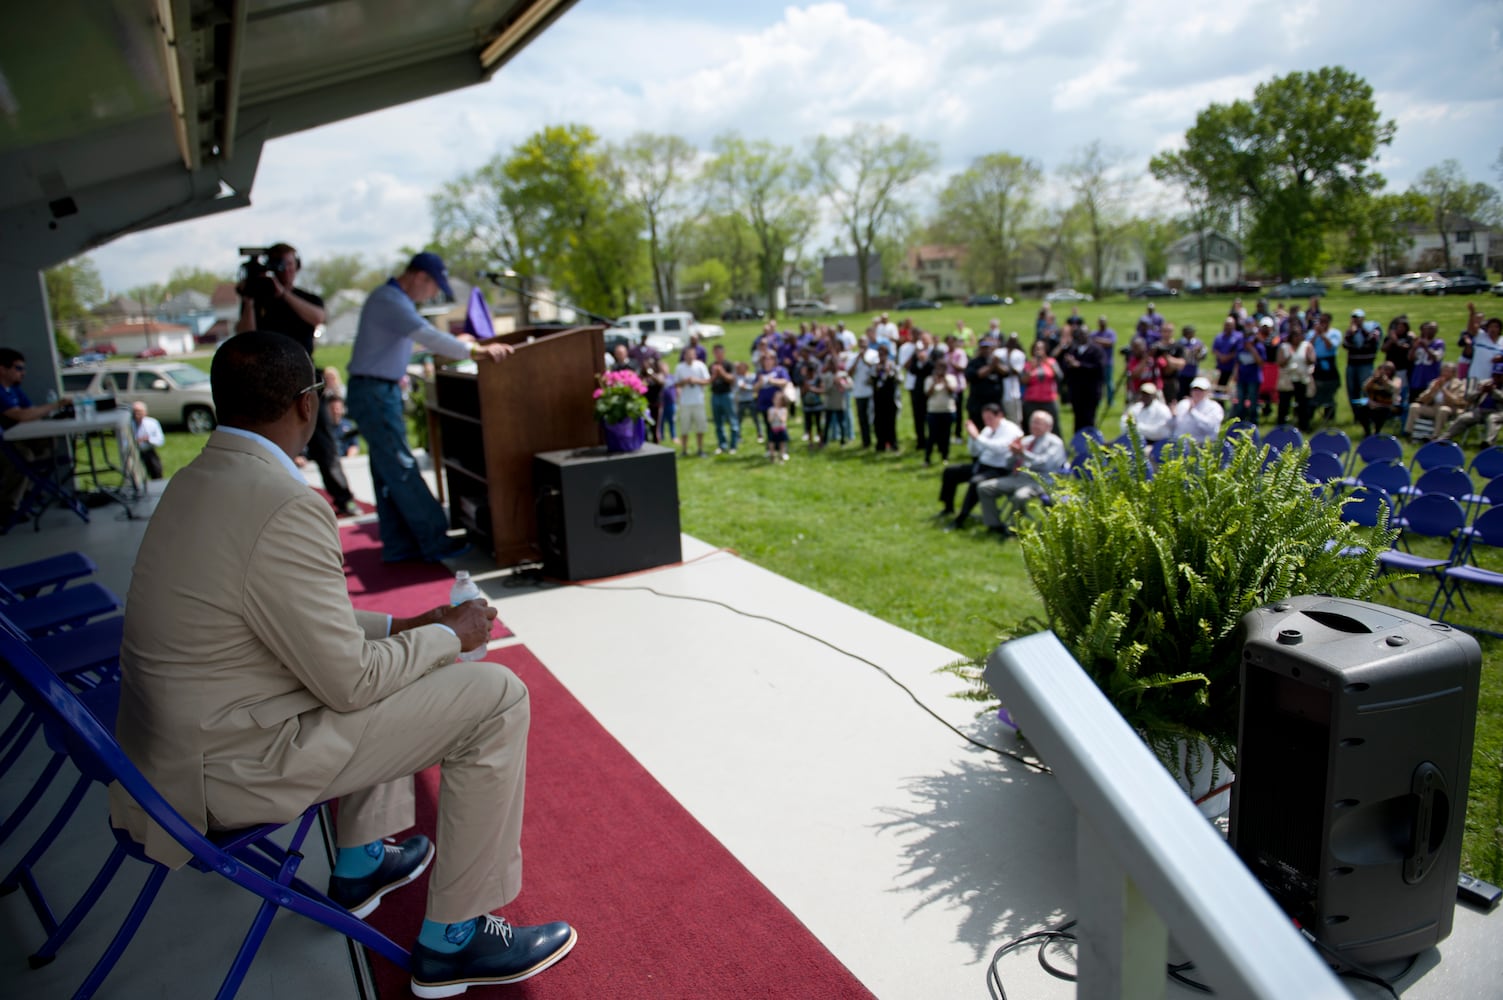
(1198, 417)
(1039, 456)
(991, 448)
(1151, 414)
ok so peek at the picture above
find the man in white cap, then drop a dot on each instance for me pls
(1150, 413)
(1200, 416)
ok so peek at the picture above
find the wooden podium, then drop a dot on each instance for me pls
(484, 429)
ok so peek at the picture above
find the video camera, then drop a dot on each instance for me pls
(256, 271)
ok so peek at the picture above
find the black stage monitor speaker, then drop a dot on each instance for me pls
(1353, 758)
(602, 514)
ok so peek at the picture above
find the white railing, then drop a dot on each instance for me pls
(1148, 864)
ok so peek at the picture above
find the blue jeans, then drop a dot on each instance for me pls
(413, 524)
(839, 426)
(1357, 374)
(727, 427)
(1247, 400)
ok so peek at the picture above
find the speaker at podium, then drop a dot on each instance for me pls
(1354, 753)
(603, 514)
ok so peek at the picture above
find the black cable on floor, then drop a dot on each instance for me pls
(1035, 765)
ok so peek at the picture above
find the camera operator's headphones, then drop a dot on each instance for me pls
(281, 264)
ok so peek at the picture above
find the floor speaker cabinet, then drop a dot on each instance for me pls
(602, 514)
(1354, 750)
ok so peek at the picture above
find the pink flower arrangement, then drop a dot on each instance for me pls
(622, 395)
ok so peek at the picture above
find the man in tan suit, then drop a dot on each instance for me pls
(251, 688)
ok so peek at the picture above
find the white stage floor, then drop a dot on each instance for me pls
(775, 715)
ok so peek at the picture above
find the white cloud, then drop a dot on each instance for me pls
(969, 76)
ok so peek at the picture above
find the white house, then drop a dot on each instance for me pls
(842, 281)
(1472, 245)
(1223, 260)
(136, 335)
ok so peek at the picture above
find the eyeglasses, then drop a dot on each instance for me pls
(18, 367)
(315, 387)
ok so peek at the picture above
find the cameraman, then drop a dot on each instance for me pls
(270, 301)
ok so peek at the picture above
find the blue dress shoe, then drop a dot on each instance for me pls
(400, 864)
(496, 953)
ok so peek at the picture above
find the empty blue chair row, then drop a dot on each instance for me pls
(30, 579)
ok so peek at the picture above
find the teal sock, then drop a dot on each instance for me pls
(447, 938)
(358, 862)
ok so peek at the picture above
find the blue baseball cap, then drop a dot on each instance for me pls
(432, 265)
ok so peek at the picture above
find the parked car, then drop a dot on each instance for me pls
(740, 312)
(1498, 288)
(175, 393)
(87, 358)
(989, 300)
(1152, 290)
(1357, 279)
(1466, 284)
(152, 352)
(1413, 283)
(910, 304)
(1066, 295)
(809, 307)
(1374, 285)
(667, 332)
(1300, 289)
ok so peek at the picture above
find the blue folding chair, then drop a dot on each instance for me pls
(61, 609)
(1331, 442)
(1454, 483)
(1390, 477)
(1365, 507)
(1283, 436)
(31, 579)
(1323, 467)
(1491, 495)
(248, 858)
(1437, 455)
(1488, 463)
(1431, 515)
(1486, 530)
(1378, 448)
(1242, 428)
(1078, 443)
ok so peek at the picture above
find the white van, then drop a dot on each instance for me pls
(667, 332)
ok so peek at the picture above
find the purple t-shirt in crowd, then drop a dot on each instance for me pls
(1250, 359)
(1226, 343)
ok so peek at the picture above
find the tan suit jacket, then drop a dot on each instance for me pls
(238, 621)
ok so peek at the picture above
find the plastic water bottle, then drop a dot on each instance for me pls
(465, 589)
(85, 406)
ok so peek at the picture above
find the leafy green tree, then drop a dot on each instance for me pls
(987, 207)
(1383, 230)
(658, 171)
(1300, 153)
(73, 288)
(728, 238)
(336, 272)
(1207, 212)
(767, 184)
(585, 233)
(863, 176)
(705, 285)
(1101, 193)
(186, 278)
(1448, 194)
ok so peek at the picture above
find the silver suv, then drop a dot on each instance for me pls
(172, 392)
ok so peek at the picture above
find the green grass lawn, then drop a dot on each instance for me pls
(858, 527)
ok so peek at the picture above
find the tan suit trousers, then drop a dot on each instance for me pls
(469, 717)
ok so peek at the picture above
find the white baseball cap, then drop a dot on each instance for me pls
(1201, 383)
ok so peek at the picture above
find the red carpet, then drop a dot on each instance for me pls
(663, 910)
(365, 508)
(400, 589)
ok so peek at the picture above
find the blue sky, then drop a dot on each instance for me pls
(1038, 79)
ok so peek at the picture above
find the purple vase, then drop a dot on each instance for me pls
(625, 435)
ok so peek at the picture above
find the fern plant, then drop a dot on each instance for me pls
(1146, 579)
